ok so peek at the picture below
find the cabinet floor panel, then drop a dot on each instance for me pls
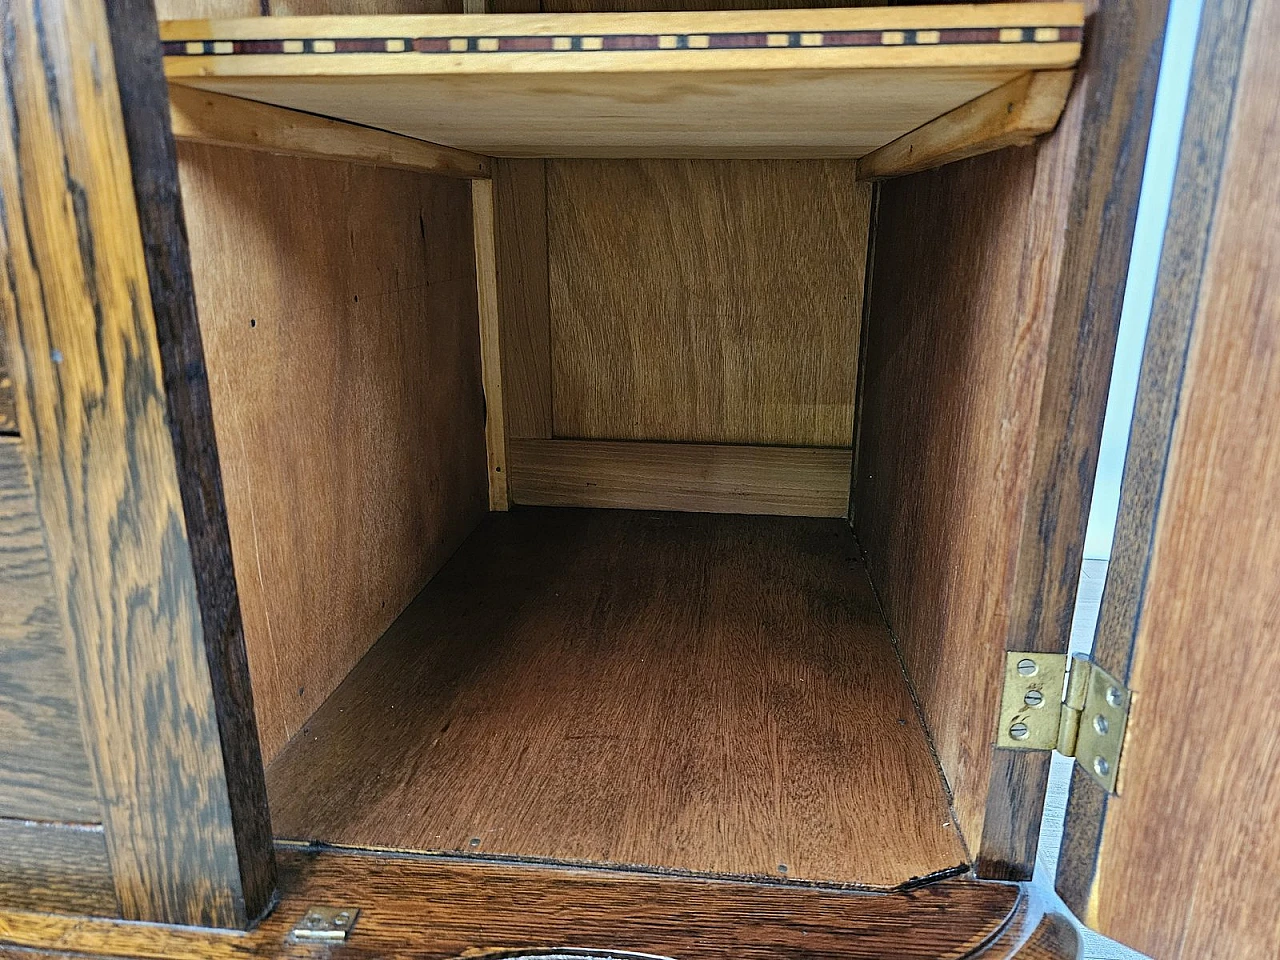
(713, 694)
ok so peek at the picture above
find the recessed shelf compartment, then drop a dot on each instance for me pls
(727, 84)
(686, 692)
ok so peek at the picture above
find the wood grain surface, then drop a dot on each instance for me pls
(422, 908)
(338, 309)
(1115, 93)
(8, 413)
(44, 771)
(1034, 932)
(524, 318)
(1009, 116)
(703, 477)
(752, 102)
(711, 302)
(1189, 620)
(110, 402)
(158, 195)
(691, 692)
(986, 376)
(954, 362)
(201, 117)
(55, 867)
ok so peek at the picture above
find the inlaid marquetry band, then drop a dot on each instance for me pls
(967, 36)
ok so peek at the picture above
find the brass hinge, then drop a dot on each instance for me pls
(324, 924)
(1081, 712)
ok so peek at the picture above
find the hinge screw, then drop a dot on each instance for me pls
(1019, 731)
(1115, 697)
(1101, 767)
(1034, 698)
(1100, 724)
(1027, 667)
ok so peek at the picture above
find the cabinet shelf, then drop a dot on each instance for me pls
(727, 84)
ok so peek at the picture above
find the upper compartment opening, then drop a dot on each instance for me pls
(834, 83)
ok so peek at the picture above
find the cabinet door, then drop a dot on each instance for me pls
(1182, 862)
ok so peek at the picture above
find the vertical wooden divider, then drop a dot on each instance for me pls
(113, 406)
(495, 437)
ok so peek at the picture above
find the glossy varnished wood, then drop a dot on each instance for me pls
(55, 867)
(338, 311)
(712, 302)
(44, 772)
(696, 692)
(432, 909)
(994, 302)
(1188, 618)
(112, 403)
(1034, 932)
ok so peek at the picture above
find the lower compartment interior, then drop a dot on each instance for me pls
(703, 693)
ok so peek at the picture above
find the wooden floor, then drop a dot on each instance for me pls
(704, 693)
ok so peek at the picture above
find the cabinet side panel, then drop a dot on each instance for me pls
(974, 475)
(955, 357)
(338, 310)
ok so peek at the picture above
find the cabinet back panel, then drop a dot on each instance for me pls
(705, 301)
(338, 309)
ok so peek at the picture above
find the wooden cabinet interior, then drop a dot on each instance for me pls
(717, 325)
(658, 334)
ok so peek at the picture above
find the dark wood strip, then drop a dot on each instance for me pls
(419, 908)
(55, 867)
(44, 771)
(8, 413)
(129, 508)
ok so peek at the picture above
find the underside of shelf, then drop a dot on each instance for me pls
(702, 693)
(744, 84)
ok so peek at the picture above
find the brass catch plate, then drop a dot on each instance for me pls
(1031, 707)
(1103, 719)
(323, 924)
